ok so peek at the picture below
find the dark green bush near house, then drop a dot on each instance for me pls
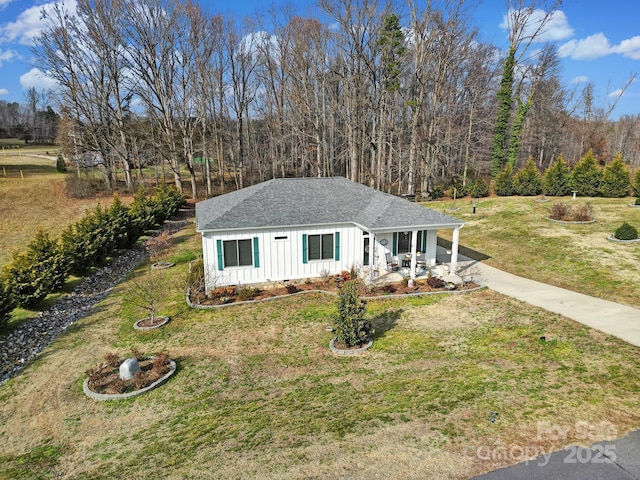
(437, 192)
(503, 184)
(528, 181)
(7, 302)
(637, 201)
(142, 213)
(626, 232)
(61, 166)
(351, 327)
(478, 188)
(121, 224)
(586, 176)
(615, 179)
(556, 179)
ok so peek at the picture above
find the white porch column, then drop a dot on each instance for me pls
(454, 250)
(414, 243)
(373, 256)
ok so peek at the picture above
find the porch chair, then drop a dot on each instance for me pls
(392, 263)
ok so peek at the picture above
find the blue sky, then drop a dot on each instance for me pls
(598, 42)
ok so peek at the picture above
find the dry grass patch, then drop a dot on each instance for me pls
(513, 233)
(259, 395)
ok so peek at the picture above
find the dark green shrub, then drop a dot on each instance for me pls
(637, 201)
(437, 192)
(586, 176)
(142, 212)
(40, 269)
(167, 200)
(636, 183)
(61, 166)
(7, 302)
(351, 327)
(503, 184)
(556, 179)
(528, 181)
(626, 232)
(121, 224)
(478, 188)
(615, 179)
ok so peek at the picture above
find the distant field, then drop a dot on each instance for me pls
(32, 195)
(511, 233)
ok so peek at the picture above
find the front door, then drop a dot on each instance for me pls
(365, 252)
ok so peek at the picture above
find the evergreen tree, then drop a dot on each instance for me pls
(516, 130)
(350, 325)
(556, 178)
(615, 179)
(478, 188)
(636, 183)
(7, 302)
(528, 180)
(586, 176)
(503, 185)
(505, 102)
(37, 271)
(391, 43)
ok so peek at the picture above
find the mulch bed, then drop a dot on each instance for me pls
(105, 378)
(229, 295)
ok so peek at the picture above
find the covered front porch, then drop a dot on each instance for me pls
(410, 253)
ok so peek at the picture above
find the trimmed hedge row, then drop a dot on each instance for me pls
(586, 178)
(46, 263)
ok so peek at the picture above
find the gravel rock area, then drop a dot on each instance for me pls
(26, 341)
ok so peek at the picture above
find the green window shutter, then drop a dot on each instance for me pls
(219, 248)
(394, 250)
(304, 248)
(424, 241)
(256, 253)
(337, 241)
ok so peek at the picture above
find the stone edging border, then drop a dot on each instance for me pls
(368, 298)
(138, 327)
(634, 205)
(162, 265)
(121, 396)
(354, 351)
(572, 222)
(613, 239)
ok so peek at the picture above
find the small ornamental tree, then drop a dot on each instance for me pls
(147, 291)
(556, 179)
(159, 247)
(586, 176)
(528, 181)
(503, 185)
(626, 232)
(351, 327)
(615, 179)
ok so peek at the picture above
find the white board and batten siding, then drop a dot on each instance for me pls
(280, 254)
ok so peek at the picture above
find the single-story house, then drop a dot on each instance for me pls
(297, 228)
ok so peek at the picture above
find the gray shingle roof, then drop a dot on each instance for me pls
(287, 202)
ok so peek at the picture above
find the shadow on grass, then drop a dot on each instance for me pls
(384, 322)
(462, 250)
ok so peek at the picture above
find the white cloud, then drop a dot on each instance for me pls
(4, 91)
(37, 79)
(8, 55)
(616, 93)
(580, 79)
(4, 3)
(629, 48)
(556, 27)
(590, 48)
(29, 24)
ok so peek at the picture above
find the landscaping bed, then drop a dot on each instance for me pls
(230, 295)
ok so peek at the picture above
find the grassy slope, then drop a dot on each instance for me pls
(37, 200)
(514, 234)
(259, 395)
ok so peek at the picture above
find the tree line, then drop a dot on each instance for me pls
(403, 96)
(33, 121)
